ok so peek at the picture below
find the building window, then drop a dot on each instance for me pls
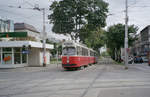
(24, 58)
(17, 56)
(13, 56)
(20, 55)
(7, 50)
(24, 55)
(6, 55)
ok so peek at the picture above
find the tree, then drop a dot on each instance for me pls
(70, 16)
(62, 22)
(96, 39)
(97, 15)
(57, 48)
(115, 38)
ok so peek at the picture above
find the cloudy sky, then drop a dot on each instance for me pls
(139, 12)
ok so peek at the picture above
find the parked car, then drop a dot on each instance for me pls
(145, 59)
(138, 59)
(130, 59)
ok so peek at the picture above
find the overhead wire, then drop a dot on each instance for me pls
(28, 3)
(17, 14)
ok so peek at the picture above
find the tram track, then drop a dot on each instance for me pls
(13, 86)
(94, 80)
(80, 83)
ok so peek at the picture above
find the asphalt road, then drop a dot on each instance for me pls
(101, 80)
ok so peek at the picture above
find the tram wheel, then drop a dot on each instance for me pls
(85, 66)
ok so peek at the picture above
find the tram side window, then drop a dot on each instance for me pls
(84, 52)
(79, 52)
(91, 53)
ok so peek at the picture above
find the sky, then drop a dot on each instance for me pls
(139, 14)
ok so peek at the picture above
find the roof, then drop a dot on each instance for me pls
(24, 26)
(26, 43)
(145, 28)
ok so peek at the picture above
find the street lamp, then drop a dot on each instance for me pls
(44, 34)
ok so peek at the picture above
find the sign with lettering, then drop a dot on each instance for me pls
(25, 52)
(13, 34)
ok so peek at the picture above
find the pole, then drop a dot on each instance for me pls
(44, 40)
(57, 55)
(126, 35)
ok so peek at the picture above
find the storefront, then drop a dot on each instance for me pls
(22, 53)
(13, 56)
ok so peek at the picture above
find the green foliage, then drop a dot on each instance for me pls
(97, 15)
(62, 20)
(116, 36)
(104, 54)
(95, 39)
(72, 16)
(57, 47)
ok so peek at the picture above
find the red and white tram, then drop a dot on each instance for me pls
(75, 55)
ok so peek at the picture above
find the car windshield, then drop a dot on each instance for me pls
(69, 51)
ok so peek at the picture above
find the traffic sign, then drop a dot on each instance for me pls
(25, 52)
(13, 34)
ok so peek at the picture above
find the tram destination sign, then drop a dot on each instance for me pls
(13, 34)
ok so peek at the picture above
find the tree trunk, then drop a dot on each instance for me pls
(115, 54)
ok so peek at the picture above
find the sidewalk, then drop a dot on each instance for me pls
(31, 69)
(106, 61)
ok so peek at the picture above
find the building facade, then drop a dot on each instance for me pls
(6, 25)
(145, 40)
(23, 51)
(33, 34)
(142, 45)
(136, 48)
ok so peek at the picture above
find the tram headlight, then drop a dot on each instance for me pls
(67, 59)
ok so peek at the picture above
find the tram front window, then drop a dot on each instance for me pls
(69, 51)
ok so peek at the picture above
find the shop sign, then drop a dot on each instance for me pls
(13, 34)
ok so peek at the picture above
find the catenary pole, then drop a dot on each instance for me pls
(44, 39)
(126, 35)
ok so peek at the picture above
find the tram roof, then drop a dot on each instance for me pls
(71, 43)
